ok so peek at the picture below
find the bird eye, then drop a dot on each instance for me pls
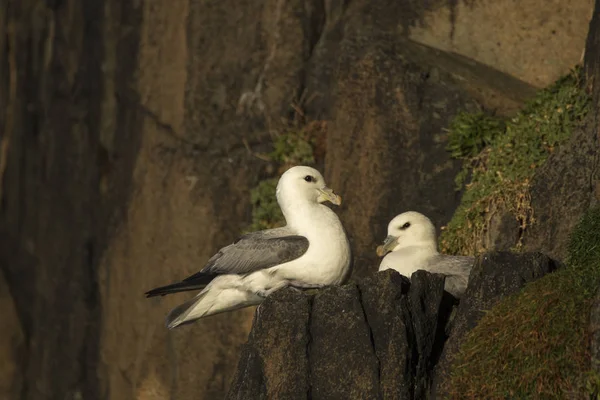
(405, 226)
(309, 178)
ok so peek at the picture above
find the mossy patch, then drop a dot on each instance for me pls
(501, 157)
(265, 210)
(293, 147)
(296, 145)
(535, 344)
(471, 132)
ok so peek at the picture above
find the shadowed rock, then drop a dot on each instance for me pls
(387, 310)
(378, 339)
(343, 364)
(430, 308)
(371, 341)
(276, 358)
(12, 345)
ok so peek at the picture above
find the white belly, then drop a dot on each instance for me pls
(405, 261)
(327, 261)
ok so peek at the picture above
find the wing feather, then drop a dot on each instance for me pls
(251, 252)
(457, 270)
(451, 265)
(255, 253)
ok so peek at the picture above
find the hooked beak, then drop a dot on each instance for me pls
(326, 194)
(388, 245)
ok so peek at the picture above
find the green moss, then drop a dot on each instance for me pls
(592, 385)
(535, 344)
(500, 174)
(470, 133)
(293, 147)
(265, 210)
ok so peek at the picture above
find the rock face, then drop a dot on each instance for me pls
(360, 341)
(12, 346)
(109, 189)
(380, 338)
(268, 350)
(518, 37)
(128, 147)
(568, 183)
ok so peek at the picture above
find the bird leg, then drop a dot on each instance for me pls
(276, 287)
(304, 285)
(306, 288)
(258, 312)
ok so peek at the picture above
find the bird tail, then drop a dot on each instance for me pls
(211, 301)
(178, 315)
(198, 282)
(173, 288)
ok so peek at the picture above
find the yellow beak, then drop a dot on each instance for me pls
(388, 245)
(326, 194)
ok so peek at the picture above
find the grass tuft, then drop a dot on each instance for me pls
(501, 157)
(535, 344)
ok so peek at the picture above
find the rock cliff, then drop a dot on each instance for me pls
(383, 338)
(128, 148)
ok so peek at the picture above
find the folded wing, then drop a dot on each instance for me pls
(250, 253)
(457, 270)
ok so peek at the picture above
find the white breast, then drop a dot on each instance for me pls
(407, 260)
(327, 260)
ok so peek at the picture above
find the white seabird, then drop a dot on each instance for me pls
(412, 244)
(311, 251)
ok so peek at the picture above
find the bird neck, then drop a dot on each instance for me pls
(297, 212)
(305, 217)
(427, 246)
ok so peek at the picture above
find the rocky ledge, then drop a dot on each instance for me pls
(383, 337)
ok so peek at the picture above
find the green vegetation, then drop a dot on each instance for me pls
(502, 156)
(265, 210)
(470, 133)
(535, 344)
(293, 147)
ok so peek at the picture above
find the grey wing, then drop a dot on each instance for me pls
(457, 270)
(251, 252)
(256, 251)
(451, 265)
